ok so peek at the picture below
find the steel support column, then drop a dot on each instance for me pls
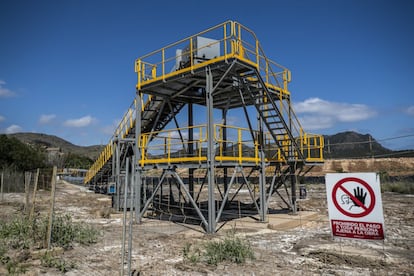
(262, 185)
(190, 148)
(262, 170)
(138, 151)
(118, 176)
(224, 118)
(210, 153)
(292, 172)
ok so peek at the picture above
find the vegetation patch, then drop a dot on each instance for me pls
(231, 248)
(22, 234)
(398, 187)
(48, 260)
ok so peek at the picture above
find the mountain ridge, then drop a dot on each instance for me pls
(53, 141)
(348, 144)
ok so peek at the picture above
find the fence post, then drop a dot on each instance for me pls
(2, 186)
(52, 206)
(27, 177)
(34, 193)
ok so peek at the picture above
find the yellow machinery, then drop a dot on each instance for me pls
(214, 77)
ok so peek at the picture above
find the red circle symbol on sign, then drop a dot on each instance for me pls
(365, 209)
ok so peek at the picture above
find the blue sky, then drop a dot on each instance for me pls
(67, 67)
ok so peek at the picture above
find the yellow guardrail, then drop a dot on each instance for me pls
(168, 147)
(309, 145)
(229, 40)
(122, 130)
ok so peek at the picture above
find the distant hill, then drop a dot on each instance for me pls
(52, 141)
(351, 144)
(347, 144)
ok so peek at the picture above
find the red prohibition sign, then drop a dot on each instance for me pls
(366, 210)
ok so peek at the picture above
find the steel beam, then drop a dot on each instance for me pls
(210, 153)
(190, 148)
(138, 151)
(190, 198)
(292, 172)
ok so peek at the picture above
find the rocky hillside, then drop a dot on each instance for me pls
(52, 141)
(389, 166)
(352, 145)
(339, 146)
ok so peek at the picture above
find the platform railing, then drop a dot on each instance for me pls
(234, 41)
(237, 146)
(231, 39)
(123, 129)
(310, 146)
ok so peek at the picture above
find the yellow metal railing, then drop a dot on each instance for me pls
(123, 129)
(168, 147)
(309, 145)
(233, 41)
(238, 146)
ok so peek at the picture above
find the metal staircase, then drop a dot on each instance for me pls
(265, 102)
(157, 113)
(218, 71)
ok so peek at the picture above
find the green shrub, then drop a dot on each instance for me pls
(231, 248)
(47, 260)
(14, 267)
(398, 187)
(22, 233)
(15, 154)
(17, 233)
(384, 177)
(3, 257)
(191, 254)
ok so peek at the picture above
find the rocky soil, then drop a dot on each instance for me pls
(302, 248)
(389, 166)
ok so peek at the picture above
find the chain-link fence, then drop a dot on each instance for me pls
(13, 181)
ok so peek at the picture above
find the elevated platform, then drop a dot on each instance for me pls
(222, 70)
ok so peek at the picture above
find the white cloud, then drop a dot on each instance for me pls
(316, 122)
(5, 92)
(2, 118)
(232, 121)
(176, 135)
(13, 129)
(410, 110)
(81, 122)
(46, 118)
(110, 129)
(321, 114)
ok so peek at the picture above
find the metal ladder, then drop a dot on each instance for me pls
(265, 103)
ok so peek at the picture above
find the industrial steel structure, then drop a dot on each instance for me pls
(176, 146)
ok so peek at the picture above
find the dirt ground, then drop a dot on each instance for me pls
(392, 166)
(304, 247)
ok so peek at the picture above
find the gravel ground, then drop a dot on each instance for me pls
(306, 248)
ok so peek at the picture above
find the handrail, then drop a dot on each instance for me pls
(126, 124)
(232, 40)
(239, 146)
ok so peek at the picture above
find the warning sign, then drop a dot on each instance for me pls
(358, 230)
(355, 206)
